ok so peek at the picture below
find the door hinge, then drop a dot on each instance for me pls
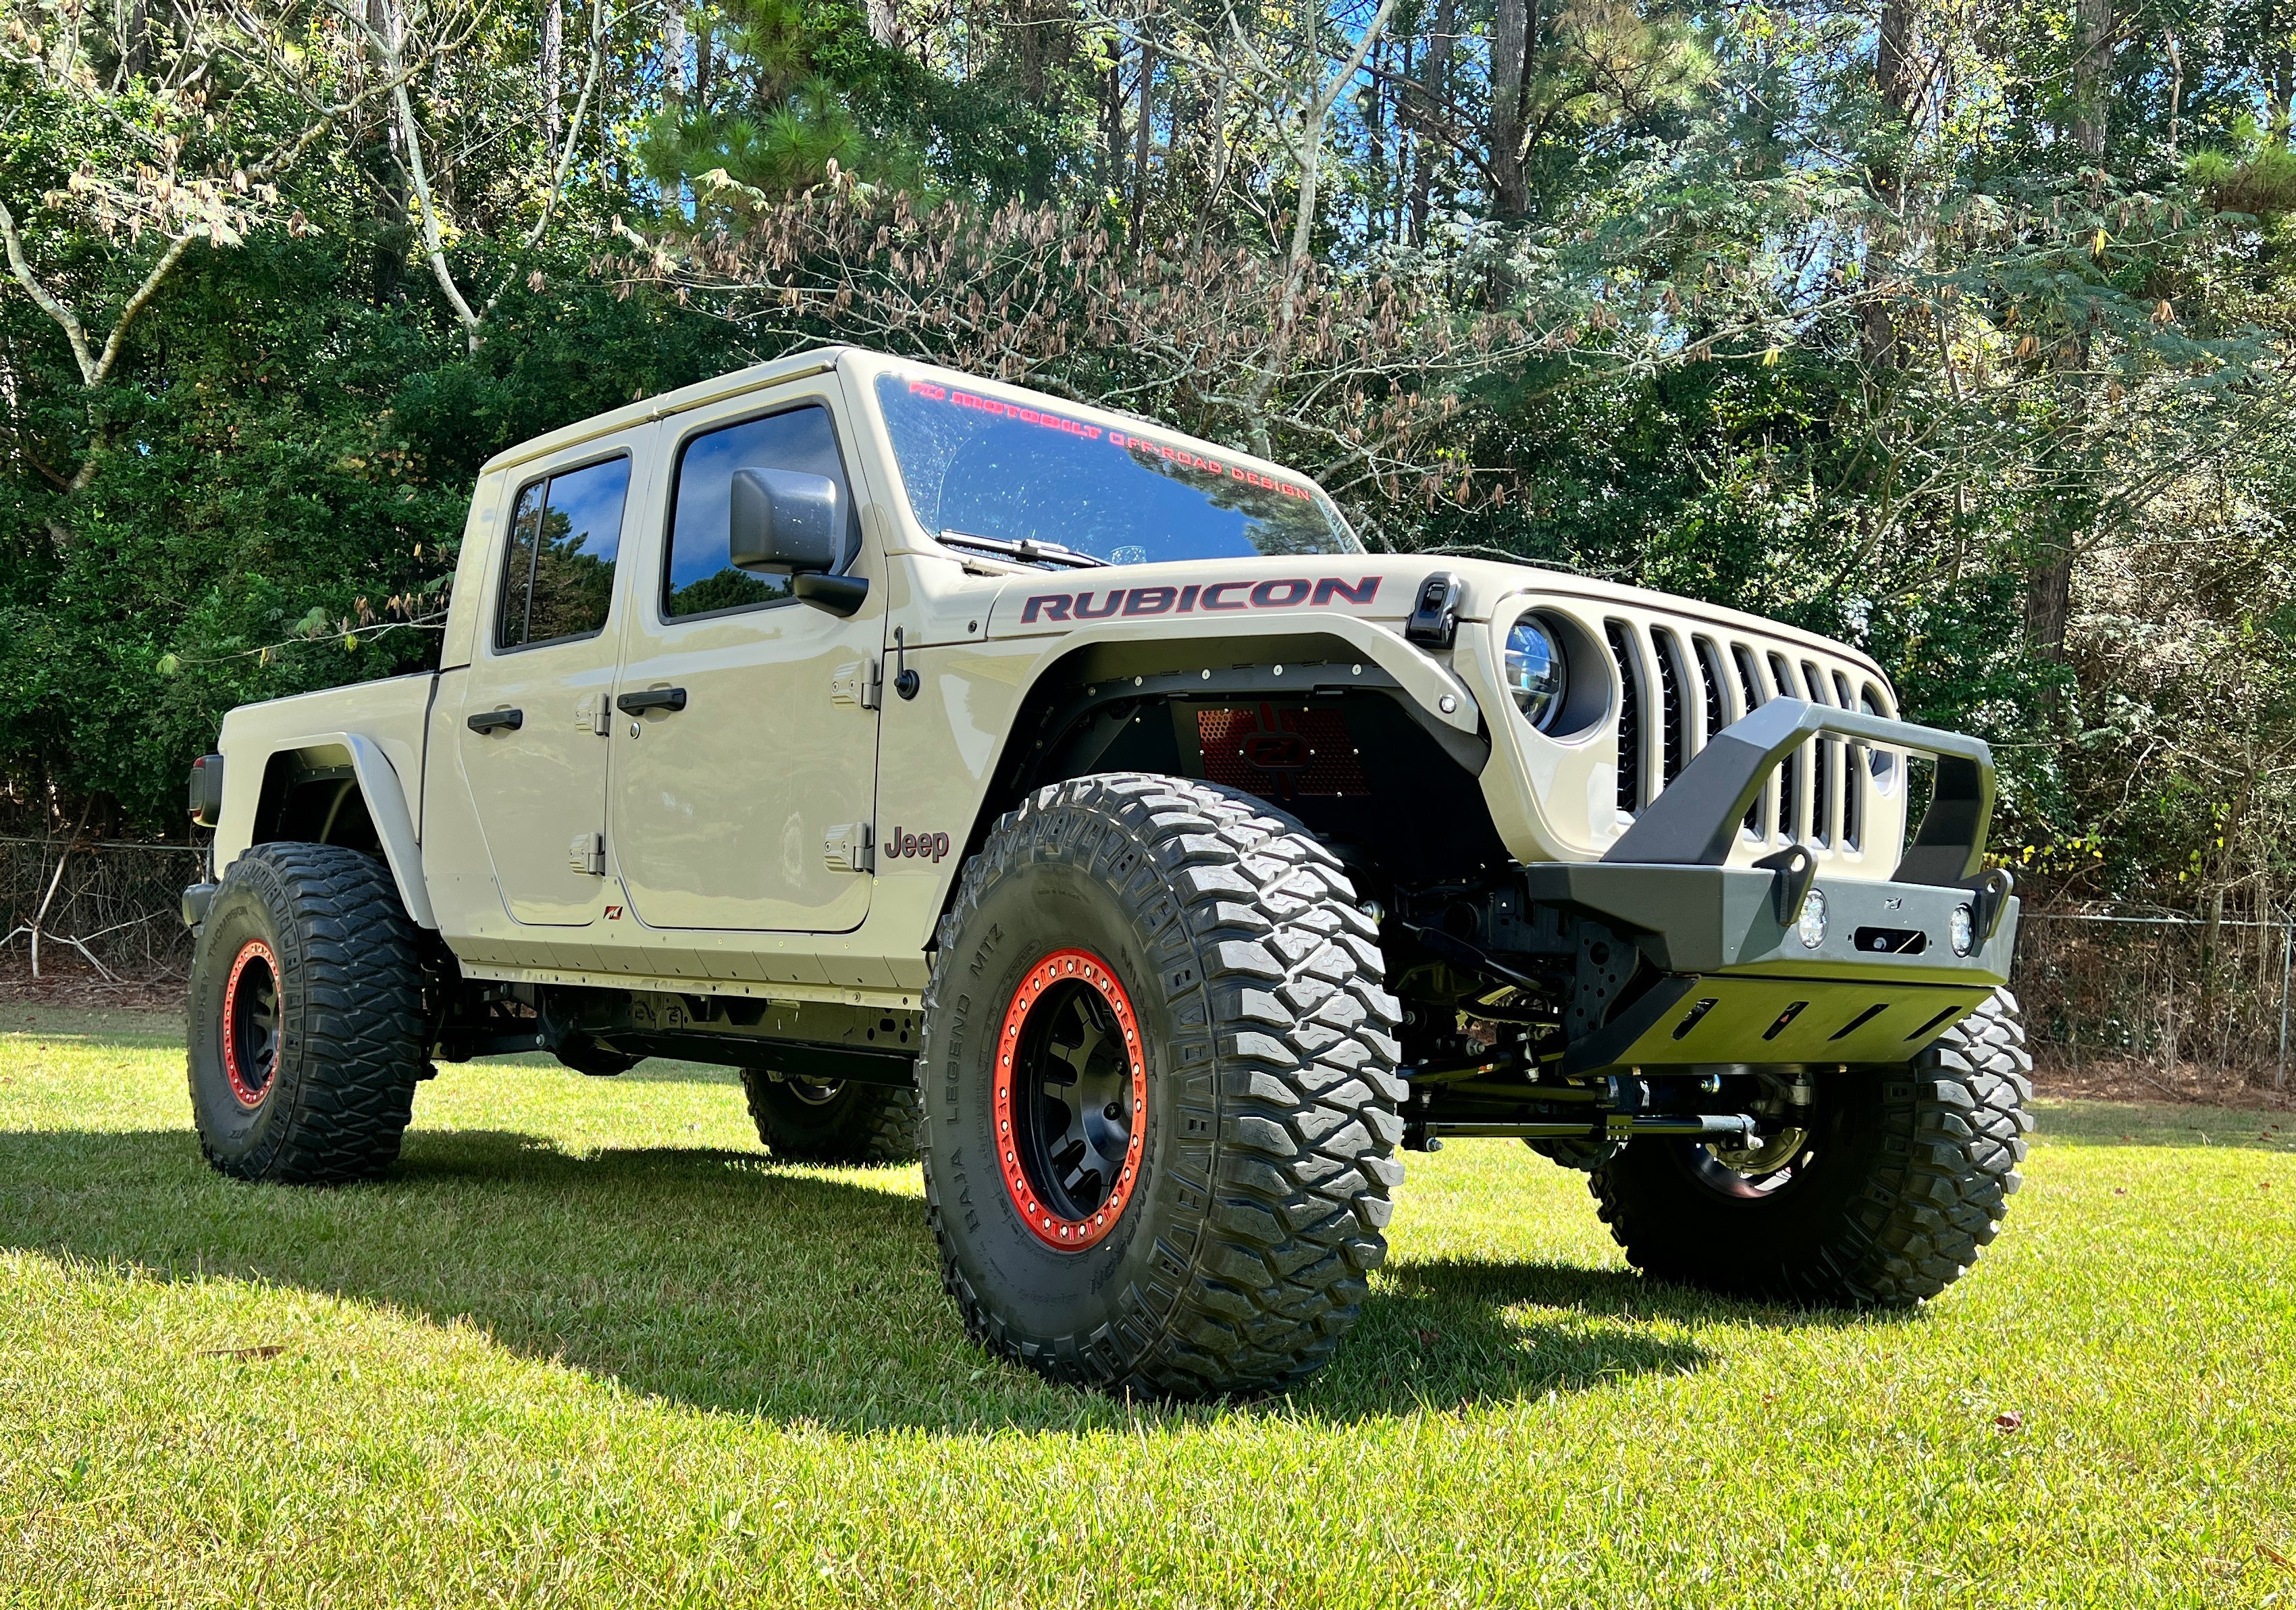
(860, 683)
(594, 714)
(587, 853)
(852, 847)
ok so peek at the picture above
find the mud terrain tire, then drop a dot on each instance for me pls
(806, 1122)
(1908, 1175)
(307, 1022)
(1266, 1131)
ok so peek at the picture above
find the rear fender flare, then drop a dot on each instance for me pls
(385, 796)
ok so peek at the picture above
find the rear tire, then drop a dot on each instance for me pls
(307, 1026)
(1906, 1175)
(1200, 1091)
(808, 1120)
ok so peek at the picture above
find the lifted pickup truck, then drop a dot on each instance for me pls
(1079, 806)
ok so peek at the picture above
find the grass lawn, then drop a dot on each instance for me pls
(589, 1344)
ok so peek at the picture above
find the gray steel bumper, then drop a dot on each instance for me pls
(1741, 986)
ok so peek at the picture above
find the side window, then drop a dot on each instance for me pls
(558, 578)
(698, 579)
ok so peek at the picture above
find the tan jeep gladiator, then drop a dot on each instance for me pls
(1078, 806)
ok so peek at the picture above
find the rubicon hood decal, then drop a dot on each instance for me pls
(1279, 593)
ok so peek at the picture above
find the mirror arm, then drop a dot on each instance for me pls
(839, 595)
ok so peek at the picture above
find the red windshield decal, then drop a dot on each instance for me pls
(1188, 457)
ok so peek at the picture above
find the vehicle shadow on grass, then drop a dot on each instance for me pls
(725, 1282)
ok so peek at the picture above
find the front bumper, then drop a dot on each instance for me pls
(1737, 985)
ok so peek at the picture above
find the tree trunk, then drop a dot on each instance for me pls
(1893, 77)
(1435, 78)
(1143, 136)
(1111, 129)
(2092, 74)
(2048, 591)
(1042, 37)
(552, 65)
(386, 171)
(2048, 600)
(1375, 145)
(1514, 32)
(885, 26)
(1406, 149)
(673, 79)
(137, 40)
(2283, 88)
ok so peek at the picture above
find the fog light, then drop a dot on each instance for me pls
(1812, 924)
(1961, 928)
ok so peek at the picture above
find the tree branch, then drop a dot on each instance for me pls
(160, 270)
(48, 303)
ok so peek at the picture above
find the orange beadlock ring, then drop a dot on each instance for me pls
(1080, 967)
(248, 1090)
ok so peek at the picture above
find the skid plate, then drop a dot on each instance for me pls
(1710, 1021)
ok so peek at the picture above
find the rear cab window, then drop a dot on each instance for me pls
(565, 537)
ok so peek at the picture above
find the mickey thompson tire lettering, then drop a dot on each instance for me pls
(1909, 1175)
(845, 1123)
(349, 1017)
(1271, 1114)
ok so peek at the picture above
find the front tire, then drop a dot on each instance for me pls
(814, 1121)
(1160, 1091)
(305, 1032)
(1904, 1175)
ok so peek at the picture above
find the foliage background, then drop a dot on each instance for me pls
(1958, 328)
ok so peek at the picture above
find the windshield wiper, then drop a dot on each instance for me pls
(1025, 550)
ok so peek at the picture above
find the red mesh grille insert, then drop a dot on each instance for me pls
(1281, 753)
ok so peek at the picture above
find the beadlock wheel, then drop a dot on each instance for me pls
(306, 1028)
(1159, 1091)
(1071, 1088)
(250, 1022)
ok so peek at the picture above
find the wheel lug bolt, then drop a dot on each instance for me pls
(1112, 1111)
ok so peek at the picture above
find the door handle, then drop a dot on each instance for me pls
(651, 698)
(506, 721)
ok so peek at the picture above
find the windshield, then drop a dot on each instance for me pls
(979, 466)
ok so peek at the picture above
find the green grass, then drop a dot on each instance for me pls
(588, 1344)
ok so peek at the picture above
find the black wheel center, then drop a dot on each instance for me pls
(1072, 1099)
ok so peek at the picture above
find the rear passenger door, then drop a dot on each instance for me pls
(537, 709)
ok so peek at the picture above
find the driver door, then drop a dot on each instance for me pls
(745, 773)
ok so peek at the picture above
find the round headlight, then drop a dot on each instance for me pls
(1812, 924)
(1535, 673)
(1961, 928)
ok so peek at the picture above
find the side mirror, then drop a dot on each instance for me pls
(784, 523)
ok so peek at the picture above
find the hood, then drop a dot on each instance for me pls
(1374, 587)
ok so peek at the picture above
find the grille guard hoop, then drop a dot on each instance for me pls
(1695, 821)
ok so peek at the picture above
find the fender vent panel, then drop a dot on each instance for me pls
(1282, 752)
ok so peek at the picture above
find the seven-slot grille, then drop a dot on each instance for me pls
(1678, 687)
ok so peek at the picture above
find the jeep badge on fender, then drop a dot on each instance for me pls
(1261, 862)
